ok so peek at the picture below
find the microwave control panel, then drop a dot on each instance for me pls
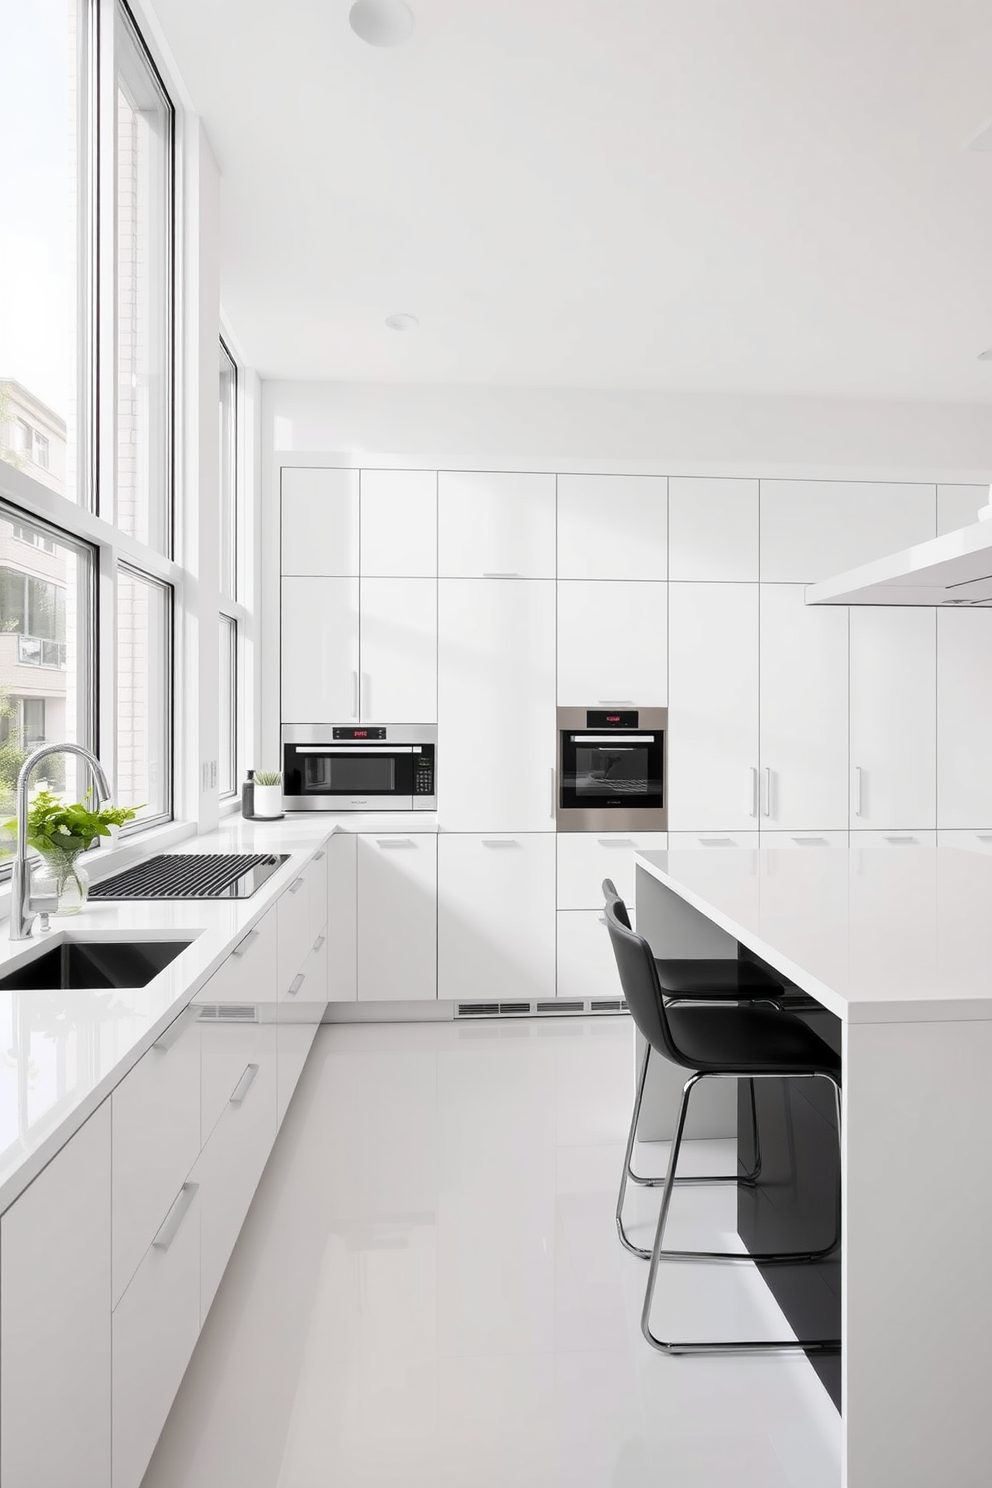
(423, 772)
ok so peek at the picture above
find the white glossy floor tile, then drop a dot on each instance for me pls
(429, 1290)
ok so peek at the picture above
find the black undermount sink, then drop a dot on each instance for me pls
(94, 964)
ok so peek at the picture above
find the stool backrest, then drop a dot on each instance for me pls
(639, 980)
(612, 896)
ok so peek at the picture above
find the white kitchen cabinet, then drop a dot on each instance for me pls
(587, 967)
(397, 917)
(399, 523)
(712, 529)
(980, 842)
(318, 880)
(320, 522)
(893, 717)
(301, 1007)
(496, 917)
(958, 506)
(235, 1152)
(803, 712)
(155, 1327)
(55, 1310)
(496, 705)
(586, 858)
(249, 974)
(156, 1126)
(398, 650)
(806, 840)
(813, 529)
(713, 707)
(713, 840)
(964, 717)
(612, 643)
(295, 940)
(320, 662)
(342, 917)
(499, 524)
(612, 527)
(893, 839)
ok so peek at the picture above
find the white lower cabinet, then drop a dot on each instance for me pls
(587, 967)
(970, 841)
(586, 858)
(155, 1327)
(236, 1151)
(804, 839)
(712, 839)
(55, 1344)
(397, 917)
(893, 839)
(496, 917)
(301, 1007)
(156, 1125)
(342, 917)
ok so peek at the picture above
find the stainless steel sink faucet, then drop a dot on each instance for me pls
(23, 906)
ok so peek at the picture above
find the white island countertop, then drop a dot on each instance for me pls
(893, 934)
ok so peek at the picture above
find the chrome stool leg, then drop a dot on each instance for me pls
(658, 1253)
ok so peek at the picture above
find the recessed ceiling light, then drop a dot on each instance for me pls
(402, 322)
(985, 356)
(381, 23)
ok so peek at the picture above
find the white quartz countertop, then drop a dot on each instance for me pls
(61, 1053)
(876, 934)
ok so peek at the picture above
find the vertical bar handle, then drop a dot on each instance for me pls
(244, 1085)
(768, 791)
(295, 985)
(858, 789)
(173, 1220)
(354, 705)
(554, 792)
(753, 808)
(246, 944)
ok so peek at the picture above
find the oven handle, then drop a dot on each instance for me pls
(359, 744)
(614, 738)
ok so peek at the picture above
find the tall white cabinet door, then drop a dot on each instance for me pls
(713, 707)
(612, 527)
(397, 917)
(319, 650)
(893, 722)
(55, 1311)
(496, 705)
(342, 918)
(320, 522)
(964, 717)
(495, 523)
(712, 529)
(496, 917)
(399, 650)
(803, 691)
(399, 523)
(812, 529)
(612, 643)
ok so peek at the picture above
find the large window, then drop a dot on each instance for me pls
(144, 694)
(228, 732)
(228, 474)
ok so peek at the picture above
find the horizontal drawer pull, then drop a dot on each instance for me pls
(173, 1220)
(902, 841)
(984, 836)
(615, 841)
(494, 574)
(295, 985)
(319, 942)
(244, 1085)
(296, 885)
(172, 1034)
(500, 842)
(811, 841)
(246, 944)
(395, 842)
(317, 856)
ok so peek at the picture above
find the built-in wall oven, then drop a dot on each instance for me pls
(359, 767)
(612, 769)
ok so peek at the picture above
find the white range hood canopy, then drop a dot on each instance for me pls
(955, 569)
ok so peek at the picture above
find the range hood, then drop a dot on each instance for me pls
(955, 569)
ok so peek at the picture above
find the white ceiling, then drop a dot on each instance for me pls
(752, 195)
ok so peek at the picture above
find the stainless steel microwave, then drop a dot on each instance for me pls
(612, 770)
(359, 767)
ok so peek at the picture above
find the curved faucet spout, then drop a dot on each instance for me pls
(22, 912)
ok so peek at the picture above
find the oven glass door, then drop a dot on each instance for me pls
(612, 770)
(349, 770)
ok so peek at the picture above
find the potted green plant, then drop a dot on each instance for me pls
(268, 793)
(60, 831)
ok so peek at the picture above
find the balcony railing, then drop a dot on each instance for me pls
(36, 651)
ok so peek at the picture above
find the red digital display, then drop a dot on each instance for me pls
(360, 734)
(613, 717)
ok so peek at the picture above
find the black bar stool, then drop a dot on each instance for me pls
(684, 980)
(712, 1041)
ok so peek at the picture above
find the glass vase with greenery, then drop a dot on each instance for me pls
(60, 831)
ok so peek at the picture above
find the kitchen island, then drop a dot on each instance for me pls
(898, 945)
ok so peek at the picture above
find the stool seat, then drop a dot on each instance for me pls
(709, 979)
(749, 1041)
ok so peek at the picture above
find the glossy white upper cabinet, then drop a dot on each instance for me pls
(893, 723)
(612, 643)
(399, 523)
(612, 527)
(496, 917)
(958, 506)
(320, 521)
(320, 665)
(55, 1312)
(398, 650)
(813, 529)
(964, 717)
(712, 529)
(496, 705)
(397, 917)
(803, 712)
(713, 707)
(495, 524)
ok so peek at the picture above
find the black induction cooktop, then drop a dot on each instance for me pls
(192, 876)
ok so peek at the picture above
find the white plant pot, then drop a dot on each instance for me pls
(268, 800)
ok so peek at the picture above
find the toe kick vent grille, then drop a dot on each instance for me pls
(227, 1012)
(557, 1008)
